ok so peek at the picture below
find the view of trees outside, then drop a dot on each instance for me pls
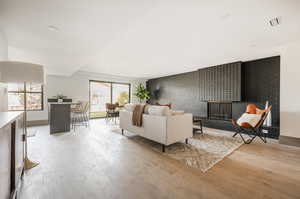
(120, 93)
(106, 92)
(16, 101)
(34, 101)
(18, 92)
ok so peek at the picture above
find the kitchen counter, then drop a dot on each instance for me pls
(8, 117)
(62, 103)
(59, 116)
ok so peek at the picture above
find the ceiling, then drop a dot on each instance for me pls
(139, 38)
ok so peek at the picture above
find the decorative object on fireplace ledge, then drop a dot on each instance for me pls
(60, 98)
(268, 121)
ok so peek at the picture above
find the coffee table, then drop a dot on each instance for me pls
(197, 123)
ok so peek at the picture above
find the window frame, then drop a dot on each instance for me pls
(25, 92)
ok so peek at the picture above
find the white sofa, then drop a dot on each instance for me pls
(164, 129)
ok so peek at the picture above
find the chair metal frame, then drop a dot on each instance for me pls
(252, 132)
(79, 115)
(111, 112)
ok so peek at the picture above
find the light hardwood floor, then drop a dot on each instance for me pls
(101, 163)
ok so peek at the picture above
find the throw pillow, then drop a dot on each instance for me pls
(251, 119)
(159, 110)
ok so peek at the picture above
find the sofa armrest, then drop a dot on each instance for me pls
(179, 128)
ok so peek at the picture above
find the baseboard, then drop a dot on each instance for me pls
(287, 140)
(37, 123)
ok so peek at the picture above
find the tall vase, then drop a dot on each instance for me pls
(268, 121)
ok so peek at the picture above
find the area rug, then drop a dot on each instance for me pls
(202, 152)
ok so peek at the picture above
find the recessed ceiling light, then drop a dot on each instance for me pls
(275, 21)
(53, 28)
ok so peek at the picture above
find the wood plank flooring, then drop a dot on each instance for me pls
(101, 163)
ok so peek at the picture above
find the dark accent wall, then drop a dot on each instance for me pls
(260, 82)
(181, 90)
(221, 83)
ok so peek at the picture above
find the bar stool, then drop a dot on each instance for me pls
(79, 115)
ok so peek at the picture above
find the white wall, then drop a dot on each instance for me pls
(3, 46)
(290, 90)
(77, 88)
(3, 57)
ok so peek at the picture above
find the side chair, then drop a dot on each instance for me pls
(252, 132)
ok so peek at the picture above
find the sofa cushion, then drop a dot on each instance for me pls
(129, 107)
(169, 105)
(173, 112)
(146, 110)
(251, 119)
(159, 110)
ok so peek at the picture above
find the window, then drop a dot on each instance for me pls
(120, 93)
(107, 92)
(21, 94)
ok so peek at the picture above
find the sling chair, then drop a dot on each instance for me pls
(246, 128)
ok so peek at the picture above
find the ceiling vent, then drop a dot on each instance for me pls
(275, 21)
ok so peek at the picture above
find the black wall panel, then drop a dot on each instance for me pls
(220, 83)
(181, 90)
(260, 81)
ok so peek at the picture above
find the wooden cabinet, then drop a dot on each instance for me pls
(11, 152)
(60, 117)
(19, 151)
(5, 161)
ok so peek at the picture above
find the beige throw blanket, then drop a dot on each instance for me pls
(137, 116)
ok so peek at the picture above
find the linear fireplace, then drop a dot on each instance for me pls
(219, 110)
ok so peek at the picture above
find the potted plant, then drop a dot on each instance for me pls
(60, 98)
(141, 92)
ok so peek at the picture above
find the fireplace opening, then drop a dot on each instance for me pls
(219, 110)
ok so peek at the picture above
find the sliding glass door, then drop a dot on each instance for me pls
(107, 92)
(120, 93)
(100, 94)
